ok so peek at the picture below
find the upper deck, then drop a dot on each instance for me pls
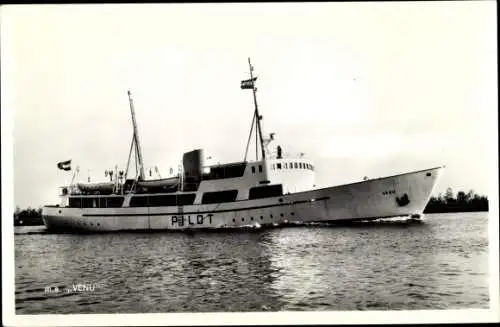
(221, 183)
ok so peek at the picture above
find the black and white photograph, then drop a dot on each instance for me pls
(249, 163)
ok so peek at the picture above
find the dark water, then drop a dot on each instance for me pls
(441, 263)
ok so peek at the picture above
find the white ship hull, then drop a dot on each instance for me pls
(370, 199)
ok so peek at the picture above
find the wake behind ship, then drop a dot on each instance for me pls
(275, 188)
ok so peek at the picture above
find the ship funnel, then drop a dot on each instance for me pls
(193, 162)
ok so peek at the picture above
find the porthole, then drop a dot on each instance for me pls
(234, 220)
(242, 219)
(98, 224)
(251, 218)
(293, 213)
(281, 200)
(271, 216)
(261, 217)
(60, 211)
(281, 215)
(428, 174)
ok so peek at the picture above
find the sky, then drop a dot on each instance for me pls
(364, 89)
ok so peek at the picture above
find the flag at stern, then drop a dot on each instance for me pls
(64, 165)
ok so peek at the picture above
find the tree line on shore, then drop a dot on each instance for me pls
(463, 202)
(28, 217)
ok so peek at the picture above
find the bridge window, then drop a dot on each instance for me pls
(253, 169)
(295, 165)
(227, 171)
(286, 165)
(291, 165)
(274, 167)
(260, 168)
(219, 197)
(279, 166)
(267, 191)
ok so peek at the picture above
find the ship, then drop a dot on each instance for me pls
(275, 189)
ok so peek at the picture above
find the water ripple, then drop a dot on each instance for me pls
(381, 265)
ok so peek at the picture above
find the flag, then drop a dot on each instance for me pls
(64, 165)
(249, 83)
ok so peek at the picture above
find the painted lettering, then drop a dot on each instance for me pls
(199, 219)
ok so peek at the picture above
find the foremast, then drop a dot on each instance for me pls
(250, 84)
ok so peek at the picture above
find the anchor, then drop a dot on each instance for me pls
(403, 200)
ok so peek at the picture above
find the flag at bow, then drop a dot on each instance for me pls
(249, 83)
(64, 165)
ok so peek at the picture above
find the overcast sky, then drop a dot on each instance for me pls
(362, 88)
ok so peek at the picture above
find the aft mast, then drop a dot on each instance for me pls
(250, 84)
(135, 142)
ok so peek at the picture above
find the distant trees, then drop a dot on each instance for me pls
(28, 217)
(463, 202)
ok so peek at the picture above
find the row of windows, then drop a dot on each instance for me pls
(293, 165)
(389, 192)
(163, 200)
(258, 192)
(96, 202)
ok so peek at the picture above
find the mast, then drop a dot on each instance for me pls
(136, 139)
(257, 116)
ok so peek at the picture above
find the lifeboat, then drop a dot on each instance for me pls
(96, 187)
(164, 182)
